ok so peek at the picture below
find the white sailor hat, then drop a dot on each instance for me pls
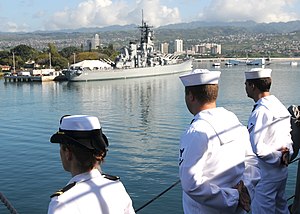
(257, 73)
(80, 129)
(200, 77)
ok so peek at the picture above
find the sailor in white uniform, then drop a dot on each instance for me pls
(217, 168)
(269, 127)
(83, 147)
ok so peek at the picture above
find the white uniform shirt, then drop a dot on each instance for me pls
(92, 194)
(269, 127)
(215, 154)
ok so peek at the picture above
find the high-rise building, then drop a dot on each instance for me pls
(178, 46)
(96, 41)
(215, 49)
(208, 48)
(164, 48)
(93, 43)
(201, 49)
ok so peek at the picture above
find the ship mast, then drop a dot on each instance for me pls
(14, 62)
(145, 31)
(142, 17)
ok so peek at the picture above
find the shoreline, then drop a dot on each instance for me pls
(223, 59)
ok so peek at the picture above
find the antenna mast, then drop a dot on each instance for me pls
(142, 17)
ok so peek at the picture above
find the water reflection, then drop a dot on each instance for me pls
(143, 119)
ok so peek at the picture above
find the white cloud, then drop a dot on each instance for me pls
(13, 27)
(99, 13)
(157, 14)
(256, 10)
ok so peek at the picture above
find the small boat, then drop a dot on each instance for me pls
(216, 64)
(294, 63)
(136, 60)
(260, 61)
(36, 75)
(237, 62)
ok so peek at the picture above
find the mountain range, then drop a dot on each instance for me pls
(274, 27)
(229, 33)
(250, 26)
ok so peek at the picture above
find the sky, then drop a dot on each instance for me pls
(33, 15)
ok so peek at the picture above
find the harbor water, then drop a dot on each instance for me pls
(143, 119)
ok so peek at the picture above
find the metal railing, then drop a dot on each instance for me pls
(7, 204)
(294, 208)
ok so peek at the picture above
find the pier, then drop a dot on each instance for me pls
(35, 75)
(28, 78)
(270, 60)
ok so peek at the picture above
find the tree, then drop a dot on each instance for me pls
(108, 52)
(59, 62)
(53, 50)
(69, 51)
(87, 55)
(42, 59)
(25, 52)
(4, 57)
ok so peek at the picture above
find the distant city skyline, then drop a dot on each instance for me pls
(33, 15)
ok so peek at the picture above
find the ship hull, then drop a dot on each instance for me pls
(113, 74)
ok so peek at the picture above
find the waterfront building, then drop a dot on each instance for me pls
(215, 49)
(200, 49)
(5, 68)
(208, 48)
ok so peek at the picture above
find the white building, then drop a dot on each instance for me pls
(201, 49)
(164, 48)
(178, 46)
(208, 48)
(96, 41)
(215, 49)
(93, 44)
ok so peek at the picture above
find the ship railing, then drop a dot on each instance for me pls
(8, 205)
(294, 206)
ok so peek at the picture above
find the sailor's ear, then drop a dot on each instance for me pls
(251, 85)
(69, 154)
(66, 152)
(190, 96)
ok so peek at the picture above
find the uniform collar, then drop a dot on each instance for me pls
(265, 99)
(85, 176)
(205, 112)
(198, 115)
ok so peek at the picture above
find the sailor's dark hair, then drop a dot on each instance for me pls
(263, 84)
(204, 93)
